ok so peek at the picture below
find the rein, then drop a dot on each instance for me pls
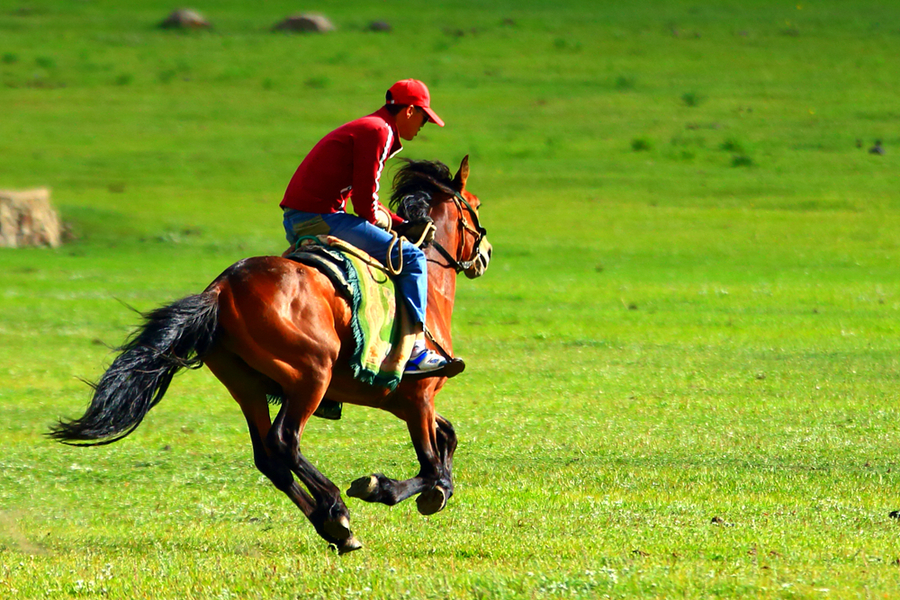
(398, 243)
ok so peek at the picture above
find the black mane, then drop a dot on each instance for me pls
(416, 183)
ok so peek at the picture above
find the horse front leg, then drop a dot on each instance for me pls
(434, 499)
(446, 444)
(435, 441)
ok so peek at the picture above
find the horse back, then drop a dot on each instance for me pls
(272, 303)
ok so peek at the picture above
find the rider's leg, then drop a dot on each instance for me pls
(299, 224)
(412, 280)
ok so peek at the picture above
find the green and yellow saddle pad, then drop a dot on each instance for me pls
(370, 293)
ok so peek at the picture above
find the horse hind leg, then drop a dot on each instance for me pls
(250, 388)
(329, 514)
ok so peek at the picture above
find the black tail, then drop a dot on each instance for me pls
(173, 337)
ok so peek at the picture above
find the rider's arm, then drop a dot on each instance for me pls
(371, 148)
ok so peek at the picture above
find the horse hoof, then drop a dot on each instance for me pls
(349, 545)
(363, 487)
(432, 501)
(339, 530)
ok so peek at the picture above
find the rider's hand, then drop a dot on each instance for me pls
(413, 230)
(382, 219)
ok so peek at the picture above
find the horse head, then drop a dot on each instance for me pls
(426, 188)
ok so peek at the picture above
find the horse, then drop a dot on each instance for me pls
(269, 327)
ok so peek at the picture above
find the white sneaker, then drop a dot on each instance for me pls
(425, 361)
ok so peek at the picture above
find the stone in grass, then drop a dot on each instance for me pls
(185, 18)
(305, 23)
(894, 514)
(380, 26)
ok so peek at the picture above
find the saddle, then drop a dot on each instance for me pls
(382, 342)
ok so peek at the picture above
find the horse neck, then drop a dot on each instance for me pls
(442, 278)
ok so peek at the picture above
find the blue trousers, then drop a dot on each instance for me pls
(412, 280)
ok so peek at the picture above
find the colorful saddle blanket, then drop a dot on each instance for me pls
(370, 292)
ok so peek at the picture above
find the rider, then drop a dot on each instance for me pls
(347, 163)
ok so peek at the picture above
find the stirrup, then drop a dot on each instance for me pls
(329, 409)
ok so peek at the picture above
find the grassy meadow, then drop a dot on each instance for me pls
(683, 363)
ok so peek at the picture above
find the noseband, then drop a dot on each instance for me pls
(475, 229)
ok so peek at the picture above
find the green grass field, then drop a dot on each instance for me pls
(683, 362)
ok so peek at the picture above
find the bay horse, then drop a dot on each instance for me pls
(271, 327)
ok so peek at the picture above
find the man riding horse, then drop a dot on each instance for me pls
(347, 164)
(275, 329)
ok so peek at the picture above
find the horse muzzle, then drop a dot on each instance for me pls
(481, 261)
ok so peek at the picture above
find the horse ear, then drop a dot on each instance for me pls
(459, 182)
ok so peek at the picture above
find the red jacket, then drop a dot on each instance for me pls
(346, 163)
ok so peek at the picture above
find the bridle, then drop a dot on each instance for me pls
(463, 223)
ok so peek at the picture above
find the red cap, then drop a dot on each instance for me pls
(414, 92)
